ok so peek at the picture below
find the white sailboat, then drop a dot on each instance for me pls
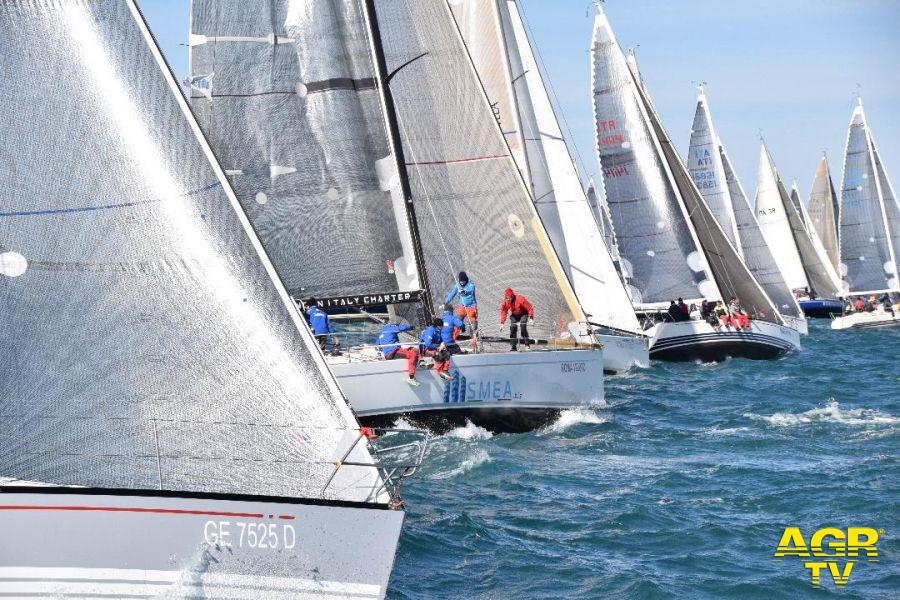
(669, 240)
(869, 229)
(800, 255)
(716, 180)
(824, 212)
(169, 426)
(417, 185)
(501, 51)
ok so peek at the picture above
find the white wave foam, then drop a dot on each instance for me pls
(469, 431)
(477, 459)
(727, 430)
(574, 416)
(831, 413)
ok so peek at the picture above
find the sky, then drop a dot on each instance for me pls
(789, 68)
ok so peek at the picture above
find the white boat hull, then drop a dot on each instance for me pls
(509, 391)
(698, 340)
(67, 542)
(621, 353)
(866, 320)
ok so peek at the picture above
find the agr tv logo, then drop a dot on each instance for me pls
(836, 556)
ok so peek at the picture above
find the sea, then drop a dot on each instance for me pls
(679, 484)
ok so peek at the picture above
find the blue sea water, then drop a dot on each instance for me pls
(680, 486)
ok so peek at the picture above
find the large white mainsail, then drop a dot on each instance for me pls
(716, 178)
(823, 212)
(547, 165)
(154, 375)
(868, 255)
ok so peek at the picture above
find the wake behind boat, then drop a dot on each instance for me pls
(169, 427)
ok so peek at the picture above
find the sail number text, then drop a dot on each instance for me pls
(244, 534)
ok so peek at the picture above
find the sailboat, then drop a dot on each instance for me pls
(169, 424)
(670, 243)
(717, 181)
(501, 51)
(370, 170)
(600, 209)
(824, 212)
(869, 229)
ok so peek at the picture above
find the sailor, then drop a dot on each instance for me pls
(886, 303)
(519, 309)
(683, 309)
(451, 325)
(706, 312)
(430, 344)
(859, 305)
(721, 313)
(739, 317)
(673, 313)
(389, 344)
(321, 326)
(468, 307)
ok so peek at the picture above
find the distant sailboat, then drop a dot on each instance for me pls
(169, 427)
(393, 188)
(601, 214)
(869, 227)
(718, 183)
(669, 240)
(800, 256)
(824, 212)
(516, 89)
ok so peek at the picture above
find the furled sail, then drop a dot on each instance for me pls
(728, 276)
(706, 169)
(294, 114)
(756, 253)
(868, 262)
(473, 211)
(549, 170)
(823, 212)
(147, 342)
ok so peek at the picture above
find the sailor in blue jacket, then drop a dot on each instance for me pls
(321, 325)
(465, 289)
(431, 344)
(450, 324)
(389, 344)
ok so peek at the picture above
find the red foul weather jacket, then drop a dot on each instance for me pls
(519, 306)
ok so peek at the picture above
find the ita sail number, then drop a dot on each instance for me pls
(250, 534)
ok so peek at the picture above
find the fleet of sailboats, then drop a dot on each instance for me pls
(359, 153)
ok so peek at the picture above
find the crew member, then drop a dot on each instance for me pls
(468, 307)
(673, 313)
(389, 344)
(739, 317)
(519, 310)
(430, 344)
(321, 326)
(451, 325)
(721, 312)
(684, 310)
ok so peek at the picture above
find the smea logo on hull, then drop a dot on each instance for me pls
(831, 550)
(461, 389)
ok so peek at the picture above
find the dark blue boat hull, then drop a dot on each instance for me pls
(821, 309)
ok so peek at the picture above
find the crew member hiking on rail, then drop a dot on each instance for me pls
(389, 344)
(519, 309)
(451, 325)
(430, 344)
(468, 307)
(321, 326)
(739, 317)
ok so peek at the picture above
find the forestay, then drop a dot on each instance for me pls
(146, 341)
(548, 169)
(867, 258)
(823, 212)
(473, 210)
(291, 107)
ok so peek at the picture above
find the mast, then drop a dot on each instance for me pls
(387, 100)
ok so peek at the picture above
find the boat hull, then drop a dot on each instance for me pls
(124, 543)
(821, 309)
(870, 320)
(698, 340)
(503, 392)
(621, 353)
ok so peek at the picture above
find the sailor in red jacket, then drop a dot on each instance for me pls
(519, 309)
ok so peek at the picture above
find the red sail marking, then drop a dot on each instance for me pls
(164, 511)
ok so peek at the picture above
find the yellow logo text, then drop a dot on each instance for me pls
(834, 551)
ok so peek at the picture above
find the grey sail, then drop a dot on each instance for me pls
(891, 212)
(706, 169)
(823, 212)
(147, 342)
(659, 257)
(596, 210)
(795, 201)
(473, 211)
(867, 262)
(756, 253)
(293, 113)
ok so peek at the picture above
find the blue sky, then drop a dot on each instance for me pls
(788, 67)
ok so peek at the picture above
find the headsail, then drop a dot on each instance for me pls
(147, 342)
(823, 212)
(868, 261)
(549, 169)
(294, 114)
(473, 210)
(795, 202)
(891, 209)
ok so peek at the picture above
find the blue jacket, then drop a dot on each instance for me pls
(388, 338)
(450, 321)
(466, 294)
(318, 321)
(430, 338)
